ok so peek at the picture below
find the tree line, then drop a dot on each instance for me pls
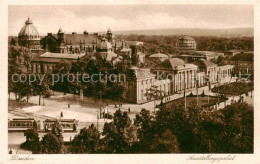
(171, 130)
(167, 44)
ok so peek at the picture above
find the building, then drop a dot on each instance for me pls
(244, 63)
(186, 43)
(174, 76)
(168, 77)
(191, 56)
(70, 43)
(29, 37)
(45, 62)
(225, 73)
(105, 51)
(139, 81)
(209, 68)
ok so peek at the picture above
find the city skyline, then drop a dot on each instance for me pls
(97, 18)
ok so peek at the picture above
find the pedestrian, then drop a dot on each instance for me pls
(68, 105)
(128, 109)
(115, 106)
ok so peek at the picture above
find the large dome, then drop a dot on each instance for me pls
(29, 31)
(105, 45)
(186, 43)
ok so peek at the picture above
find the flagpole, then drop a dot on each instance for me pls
(209, 90)
(185, 105)
(197, 90)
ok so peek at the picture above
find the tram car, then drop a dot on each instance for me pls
(68, 125)
(20, 124)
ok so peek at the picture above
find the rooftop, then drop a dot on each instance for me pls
(174, 64)
(208, 63)
(158, 55)
(61, 55)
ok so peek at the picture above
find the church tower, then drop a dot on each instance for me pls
(60, 35)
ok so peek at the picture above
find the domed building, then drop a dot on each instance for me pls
(109, 36)
(104, 46)
(29, 36)
(186, 43)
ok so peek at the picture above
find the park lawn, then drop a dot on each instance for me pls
(234, 89)
(203, 101)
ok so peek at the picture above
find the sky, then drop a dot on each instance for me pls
(97, 18)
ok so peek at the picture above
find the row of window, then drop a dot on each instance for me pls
(20, 124)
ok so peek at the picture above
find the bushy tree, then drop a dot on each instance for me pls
(117, 134)
(18, 63)
(51, 144)
(32, 141)
(87, 141)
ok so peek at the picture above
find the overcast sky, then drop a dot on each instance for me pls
(129, 17)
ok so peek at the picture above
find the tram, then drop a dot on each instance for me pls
(20, 124)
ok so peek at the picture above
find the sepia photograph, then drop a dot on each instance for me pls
(131, 79)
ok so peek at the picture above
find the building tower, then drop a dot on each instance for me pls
(60, 35)
(109, 35)
(29, 37)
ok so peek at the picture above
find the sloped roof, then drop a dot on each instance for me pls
(208, 63)
(46, 60)
(75, 39)
(139, 72)
(158, 55)
(174, 64)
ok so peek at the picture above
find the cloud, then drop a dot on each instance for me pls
(51, 20)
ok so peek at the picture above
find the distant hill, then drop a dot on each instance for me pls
(234, 32)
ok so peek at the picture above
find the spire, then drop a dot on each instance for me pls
(60, 30)
(109, 30)
(28, 21)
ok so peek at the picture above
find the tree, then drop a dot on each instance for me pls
(117, 134)
(51, 144)
(165, 143)
(32, 142)
(87, 141)
(239, 128)
(18, 63)
(12, 42)
(62, 69)
(145, 131)
(57, 130)
(154, 93)
(42, 88)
